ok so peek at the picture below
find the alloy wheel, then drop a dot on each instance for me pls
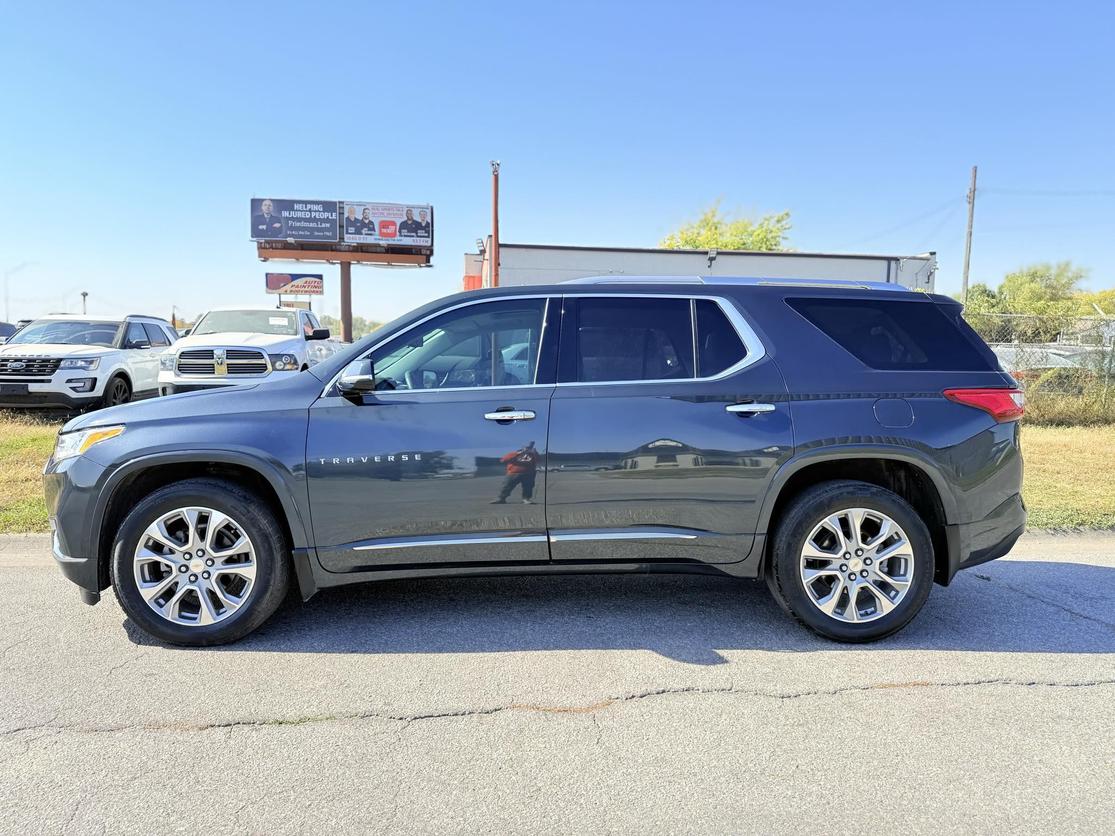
(857, 565)
(118, 394)
(195, 566)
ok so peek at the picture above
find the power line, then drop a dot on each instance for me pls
(949, 204)
(1050, 192)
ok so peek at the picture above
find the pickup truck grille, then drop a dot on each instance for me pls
(237, 361)
(28, 366)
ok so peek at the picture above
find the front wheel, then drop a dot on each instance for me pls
(117, 391)
(200, 562)
(852, 561)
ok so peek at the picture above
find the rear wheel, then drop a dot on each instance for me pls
(852, 561)
(200, 562)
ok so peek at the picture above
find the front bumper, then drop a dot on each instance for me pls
(973, 543)
(71, 488)
(53, 392)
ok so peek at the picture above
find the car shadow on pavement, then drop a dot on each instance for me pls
(1006, 606)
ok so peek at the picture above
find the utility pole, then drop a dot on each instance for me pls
(968, 237)
(84, 293)
(8, 273)
(494, 254)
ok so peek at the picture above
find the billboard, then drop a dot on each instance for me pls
(299, 220)
(306, 284)
(389, 224)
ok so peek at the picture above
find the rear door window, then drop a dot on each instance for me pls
(895, 335)
(615, 339)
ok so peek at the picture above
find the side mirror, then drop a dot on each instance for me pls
(357, 380)
(186, 333)
(138, 344)
(319, 334)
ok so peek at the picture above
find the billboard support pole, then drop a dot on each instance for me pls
(494, 256)
(346, 301)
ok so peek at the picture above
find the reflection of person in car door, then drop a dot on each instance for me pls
(521, 467)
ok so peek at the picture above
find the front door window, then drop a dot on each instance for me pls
(493, 344)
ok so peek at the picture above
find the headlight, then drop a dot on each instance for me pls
(84, 363)
(284, 362)
(76, 443)
(166, 361)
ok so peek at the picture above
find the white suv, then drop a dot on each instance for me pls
(244, 345)
(75, 362)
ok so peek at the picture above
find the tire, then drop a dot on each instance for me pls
(117, 391)
(244, 582)
(886, 593)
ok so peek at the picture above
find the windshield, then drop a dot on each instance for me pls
(255, 322)
(67, 332)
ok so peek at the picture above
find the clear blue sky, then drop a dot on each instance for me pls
(132, 136)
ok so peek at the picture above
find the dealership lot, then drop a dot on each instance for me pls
(622, 703)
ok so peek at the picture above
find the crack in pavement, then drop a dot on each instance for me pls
(590, 709)
(1027, 594)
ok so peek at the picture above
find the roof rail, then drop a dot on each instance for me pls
(636, 280)
(756, 281)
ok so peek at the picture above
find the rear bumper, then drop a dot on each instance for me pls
(973, 543)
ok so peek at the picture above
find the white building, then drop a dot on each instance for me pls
(525, 264)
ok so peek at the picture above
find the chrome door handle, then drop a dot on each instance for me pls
(510, 415)
(749, 408)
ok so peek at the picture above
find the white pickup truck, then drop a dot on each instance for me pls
(244, 345)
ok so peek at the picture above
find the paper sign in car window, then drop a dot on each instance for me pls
(276, 320)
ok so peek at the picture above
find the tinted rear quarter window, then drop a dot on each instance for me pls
(896, 335)
(718, 345)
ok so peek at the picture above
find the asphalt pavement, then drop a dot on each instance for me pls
(568, 704)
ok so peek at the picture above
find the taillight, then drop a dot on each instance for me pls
(1000, 404)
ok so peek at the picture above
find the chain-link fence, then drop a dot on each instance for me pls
(1065, 364)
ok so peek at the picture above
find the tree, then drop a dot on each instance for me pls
(1104, 299)
(715, 231)
(1040, 299)
(1042, 289)
(360, 327)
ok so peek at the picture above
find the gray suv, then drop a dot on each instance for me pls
(850, 443)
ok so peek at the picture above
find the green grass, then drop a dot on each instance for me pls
(1070, 474)
(26, 441)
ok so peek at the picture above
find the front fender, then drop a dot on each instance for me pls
(270, 470)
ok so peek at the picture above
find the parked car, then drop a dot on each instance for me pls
(1027, 363)
(229, 346)
(77, 362)
(850, 444)
(6, 330)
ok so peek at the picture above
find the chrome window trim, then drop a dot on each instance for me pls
(547, 296)
(753, 346)
(541, 341)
